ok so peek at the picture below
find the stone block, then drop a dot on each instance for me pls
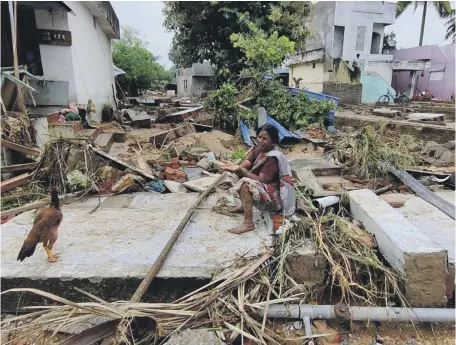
(430, 148)
(386, 112)
(406, 248)
(204, 163)
(175, 187)
(450, 145)
(307, 267)
(194, 337)
(439, 152)
(425, 117)
(348, 129)
(447, 156)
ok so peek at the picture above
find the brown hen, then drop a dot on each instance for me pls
(45, 229)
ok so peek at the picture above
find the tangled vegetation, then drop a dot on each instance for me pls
(369, 152)
(224, 102)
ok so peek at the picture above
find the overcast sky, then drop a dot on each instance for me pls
(147, 17)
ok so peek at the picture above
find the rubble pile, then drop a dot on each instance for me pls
(334, 249)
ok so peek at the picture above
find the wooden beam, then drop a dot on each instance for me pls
(126, 165)
(19, 167)
(19, 148)
(15, 182)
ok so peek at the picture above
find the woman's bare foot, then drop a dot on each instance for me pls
(238, 209)
(240, 229)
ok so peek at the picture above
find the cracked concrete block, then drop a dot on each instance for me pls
(406, 248)
(306, 266)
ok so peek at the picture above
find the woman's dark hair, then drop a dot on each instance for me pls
(272, 132)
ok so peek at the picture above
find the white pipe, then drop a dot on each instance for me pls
(326, 201)
(363, 313)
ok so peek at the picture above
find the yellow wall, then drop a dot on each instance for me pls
(312, 78)
(342, 76)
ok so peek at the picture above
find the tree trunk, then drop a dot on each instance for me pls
(423, 21)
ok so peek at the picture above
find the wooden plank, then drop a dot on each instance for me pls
(15, 182)
(37, 204)
(20, 167)
(19, 148)
(423, 192)
(118, 161)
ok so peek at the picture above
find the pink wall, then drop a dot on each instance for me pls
(442, 59)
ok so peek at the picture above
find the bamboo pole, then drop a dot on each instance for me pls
(142, 288)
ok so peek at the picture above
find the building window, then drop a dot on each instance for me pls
(185, 84)
(209, 82)
(313, 65)
(338, 42)
(376, 40)
(360, 38)
(438, 75)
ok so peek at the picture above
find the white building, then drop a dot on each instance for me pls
(339, 32)
(68, 46)
(193, 81)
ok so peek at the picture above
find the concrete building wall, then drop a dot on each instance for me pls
(312, 75)
(347, 93)
(86, 64)
(57, 61)
(92, 63)
(374, 86)
(360, 20)
(184, 80)
(439, 79)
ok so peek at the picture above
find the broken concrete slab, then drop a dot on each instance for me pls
(105, 141)
(410, 251)
(108, 251)
(175, 187)
(201, 184)
(319, 166)
(139, 119)
(386, 112)
(425, 117)
(438, 226)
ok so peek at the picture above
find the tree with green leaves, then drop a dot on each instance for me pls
(142, 71)
(202, 29)
(443, 9)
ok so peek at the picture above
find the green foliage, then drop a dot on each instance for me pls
(249, 116)
(240, 153)
(142, 71)
(262, 51)
(202, 29)
(292, 111)
(224, 102)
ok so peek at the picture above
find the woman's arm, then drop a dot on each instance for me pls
(242, 172)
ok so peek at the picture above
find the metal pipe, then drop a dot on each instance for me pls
(325, 201)
(362, 313)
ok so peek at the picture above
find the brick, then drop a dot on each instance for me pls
(406, 248)
(175, 174)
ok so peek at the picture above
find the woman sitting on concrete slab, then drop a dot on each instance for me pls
(265, 180)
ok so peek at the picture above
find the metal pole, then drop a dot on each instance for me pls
(362, 313)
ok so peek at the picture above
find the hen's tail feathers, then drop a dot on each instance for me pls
(55, 202)
(27, 250)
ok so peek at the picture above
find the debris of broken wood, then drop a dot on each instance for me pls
(118, 161)
(15, 182)
(19, 148)
(19, 167)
